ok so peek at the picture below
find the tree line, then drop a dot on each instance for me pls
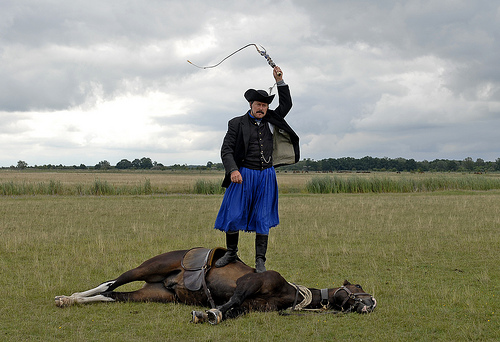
(325, 165)
(124, 164)
(397, 165)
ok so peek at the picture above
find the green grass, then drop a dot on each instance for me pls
(430, 259)
(403, 184)
(208, 187)
(98, 187)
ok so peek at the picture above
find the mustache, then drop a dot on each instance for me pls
(259, 111)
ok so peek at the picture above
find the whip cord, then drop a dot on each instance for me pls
(262, 52)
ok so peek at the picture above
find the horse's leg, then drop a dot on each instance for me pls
(83, 297)
(92, 299)
(92, 294)
(96, 290)
(153, 270)
(137, 274)
(150, 292)
(246, 286)
(260, 287)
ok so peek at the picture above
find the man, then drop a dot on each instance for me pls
(254, 144)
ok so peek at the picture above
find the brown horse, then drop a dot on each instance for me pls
(187, 276)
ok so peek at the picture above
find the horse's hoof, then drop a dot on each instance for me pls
(214, 316)
(198, 317)
(64, 301)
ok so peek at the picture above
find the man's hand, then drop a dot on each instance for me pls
(277, 73)
(236, 177)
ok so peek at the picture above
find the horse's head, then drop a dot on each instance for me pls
(351, 297)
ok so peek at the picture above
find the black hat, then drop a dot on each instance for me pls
(258, 95)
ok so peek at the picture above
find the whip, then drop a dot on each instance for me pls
(262, 52)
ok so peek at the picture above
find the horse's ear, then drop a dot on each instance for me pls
(346, 282)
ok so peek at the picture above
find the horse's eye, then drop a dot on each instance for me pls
(358, 286)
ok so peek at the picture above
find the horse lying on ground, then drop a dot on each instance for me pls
(187, 276)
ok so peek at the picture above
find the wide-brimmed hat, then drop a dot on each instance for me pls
(258, 95)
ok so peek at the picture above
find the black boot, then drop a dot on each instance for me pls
(232, 250)
(260, 252)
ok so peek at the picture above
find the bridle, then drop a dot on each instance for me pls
(350, 296)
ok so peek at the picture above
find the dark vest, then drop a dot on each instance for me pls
(260, 146)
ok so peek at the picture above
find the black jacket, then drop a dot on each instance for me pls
(286, 142)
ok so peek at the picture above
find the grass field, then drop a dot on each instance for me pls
(430, 259)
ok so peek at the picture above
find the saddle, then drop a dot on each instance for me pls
(196, 263)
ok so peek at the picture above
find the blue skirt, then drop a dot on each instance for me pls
(251, 206)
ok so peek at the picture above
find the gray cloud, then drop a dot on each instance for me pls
(416, 79)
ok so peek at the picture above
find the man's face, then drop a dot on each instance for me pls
(259, 109)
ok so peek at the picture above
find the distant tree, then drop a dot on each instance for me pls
(179, 167)
(497, 164)
(439, 165)
(103, 165)
(468, 164)
(22, 165)
(411, 165)
(424, 165)
(136, 163)
(366, 163)
(451, 165)
(480, 164)
(157, 166)
(400, 164)
(146, 163)
(124, 164)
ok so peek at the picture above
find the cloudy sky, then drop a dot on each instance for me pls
(86, 81)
